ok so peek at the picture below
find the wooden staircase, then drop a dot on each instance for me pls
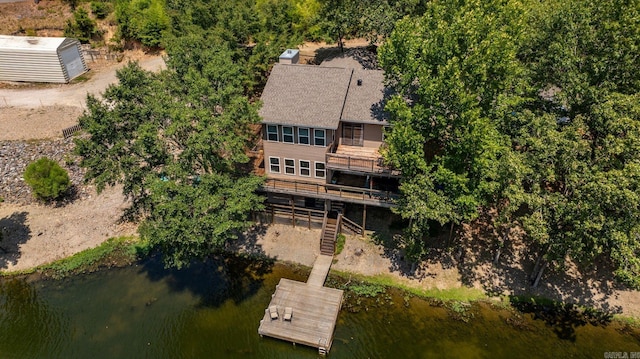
(329, 234)
(350, 226)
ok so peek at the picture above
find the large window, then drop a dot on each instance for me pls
(274, 164)
(287, 134)
(272, 133)
(352, 134)
(321, 172)
(319, 138)
(305, 168)
(289, 166)
(303, 136)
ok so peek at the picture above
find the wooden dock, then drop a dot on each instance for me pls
(315, 309)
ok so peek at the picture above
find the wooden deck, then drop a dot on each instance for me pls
(315, 309)
(332, 192)
(358, 159)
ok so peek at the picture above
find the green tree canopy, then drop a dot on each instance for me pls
(454, 69)
(527, 108)
(175, 141)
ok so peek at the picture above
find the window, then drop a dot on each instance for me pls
(305, 168)
(320, 171)
(272, 133)
(274, 164)
(303, 136)
(319, 138)
(352, 134)
(287, 134)
(289, 166)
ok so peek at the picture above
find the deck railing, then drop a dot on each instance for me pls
(360, 164)
(351, 226)
(332, 191)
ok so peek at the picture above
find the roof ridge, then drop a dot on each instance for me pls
(346, 94)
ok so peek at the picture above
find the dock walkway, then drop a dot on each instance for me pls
(320, 270)
(315, 309)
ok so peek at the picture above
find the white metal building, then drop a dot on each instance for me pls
(40, 59)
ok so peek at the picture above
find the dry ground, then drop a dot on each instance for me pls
(47, 18)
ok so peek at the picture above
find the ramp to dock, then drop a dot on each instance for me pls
(320, 270)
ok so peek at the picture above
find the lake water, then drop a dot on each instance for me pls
(213, 310)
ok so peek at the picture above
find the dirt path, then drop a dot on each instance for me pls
(74, 94)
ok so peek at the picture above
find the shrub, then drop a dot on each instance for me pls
(144, 20)
(82, 27)
(100, 9)
(47, 179)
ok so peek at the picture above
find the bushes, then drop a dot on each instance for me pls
(100, 9)
(82, 27)
(47, 179)
(144, 20)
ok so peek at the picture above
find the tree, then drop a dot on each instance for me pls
(175, 140)
(143, 20)
(82, 27)
(526, 108)
(452, 69)
(100, 9)
(47, 179)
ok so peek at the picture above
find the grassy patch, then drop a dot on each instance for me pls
(369, 290)
(114, 252)
(82, 78)
(340, 243)
(462, 294)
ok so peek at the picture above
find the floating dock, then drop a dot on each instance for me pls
(314, 309)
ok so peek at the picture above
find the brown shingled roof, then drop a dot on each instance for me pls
(305, 95)
(365, 102)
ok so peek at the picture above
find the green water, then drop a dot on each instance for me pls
(213, 310)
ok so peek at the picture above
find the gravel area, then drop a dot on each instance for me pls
(15, 156)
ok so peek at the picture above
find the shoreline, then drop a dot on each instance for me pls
(128, 250)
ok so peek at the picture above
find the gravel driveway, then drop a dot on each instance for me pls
(69, 94)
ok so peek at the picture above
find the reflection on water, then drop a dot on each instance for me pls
(29, 326)
(213, 310)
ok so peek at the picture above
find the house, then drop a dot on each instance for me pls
(40, 59)
(322, 130)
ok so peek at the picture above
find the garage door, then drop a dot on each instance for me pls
(72, 61)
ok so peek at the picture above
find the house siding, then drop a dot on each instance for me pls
(372, 136)
(296, 152)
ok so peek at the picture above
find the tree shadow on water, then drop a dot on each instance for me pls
(563, 318)
(214, 280)
(15, 232)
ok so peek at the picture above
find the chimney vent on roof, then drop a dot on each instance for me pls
(359, 82)
(289, 56)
